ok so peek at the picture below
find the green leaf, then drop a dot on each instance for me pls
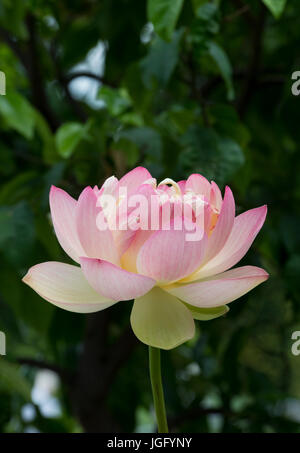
(175, 121)
(130, 149)
(208, 153)
(132, 119)
(28, 307)
(164, 15)
(5, 226)
(231, 155)
(49, 149)
(18, 113)
(147, 140)
(7, 161)
(18, 188)
(197, 4)
(12, 380)
(226, 122)
(206, 10)
(17, 228)
(275, 6)
(52, 177)
(68, 137)
(291, 271)
(135, 84)
(224, 65)
(161, 61)
(116, 101)
(12, 16)
(206, 314)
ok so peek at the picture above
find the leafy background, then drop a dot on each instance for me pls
(94, 88)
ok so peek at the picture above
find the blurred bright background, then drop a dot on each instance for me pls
(95, 88)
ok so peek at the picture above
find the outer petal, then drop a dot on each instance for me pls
(161, 320)
(223, 226)
(182, 185)
(133, 179)
(114, 282)
(198, 184)
(207, 314)
(63, 213)
(64, 285)
(97, 243)
(245, 229)
(168, 255)
(221, 289)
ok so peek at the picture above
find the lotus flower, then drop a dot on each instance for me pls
(172, 280)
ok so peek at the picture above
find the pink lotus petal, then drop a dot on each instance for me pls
(182, 185)
(220, 289)
(65, 286)
(123, 240)
(134, 179)
(114, 282)
(207, 215)
(168, 255)
(97, 243)
(223, 226)
(109, 186)
(216, 196)
(63, 213)
(199, 185)
(137, 208)
(245, 229)
(166, 188)
(129, 258)
(136, 216)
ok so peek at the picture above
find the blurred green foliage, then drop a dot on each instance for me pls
(181, 86)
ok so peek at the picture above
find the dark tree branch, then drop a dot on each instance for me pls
(75, 105)
(15, 47)
(30, 59)
(65, 375)
(120, 353)
(28, 55)
(262, 79)
(88, 387)
(91, 75)
(254, 65)
(35, 76)
(247, 13)
(97, 368)
(64, 82)
(239, 12)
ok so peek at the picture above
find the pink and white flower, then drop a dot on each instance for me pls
(173, 280)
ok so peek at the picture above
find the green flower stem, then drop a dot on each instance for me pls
(157, 389)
